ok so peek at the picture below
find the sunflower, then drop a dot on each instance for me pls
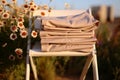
(20, 25)
(13, 36)
(34, 34)
(42, 13)
(31, 3)
(23, 33)
(13, 17)
(18, 51)
(14, 28)
(14, 1)
(26, 6)
(32, 9)
(4, 2)
(5, 15)
(20, 19)
(12, 57)
(19, 56)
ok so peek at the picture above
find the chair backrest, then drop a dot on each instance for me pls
(83, 38)
(57, 13)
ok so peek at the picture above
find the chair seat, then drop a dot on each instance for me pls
(60, 53)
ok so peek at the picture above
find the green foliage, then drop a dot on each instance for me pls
(16, 72)
(45, 68)
(108, 50)
(60, 65)
(116, 73)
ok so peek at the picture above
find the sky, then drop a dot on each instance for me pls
(80, 4)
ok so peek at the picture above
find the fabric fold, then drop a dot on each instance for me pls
(67, 47)
(68, 33)
(74, 21)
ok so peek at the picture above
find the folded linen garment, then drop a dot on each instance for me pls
(67, 40)
(67, 47)
(68, 33)
(64, 37)
(81, 43)
(73, 21)
(64, 34)
(87, 28)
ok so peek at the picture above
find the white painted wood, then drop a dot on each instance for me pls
(27, 69)
(33, 68)
(62, 53)
(86, 67)
(28, 48)
(35, 51)
(57, 13)
(95, 67)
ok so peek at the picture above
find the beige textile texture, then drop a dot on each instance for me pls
(68, 33)
(67, 47)
(73, 21)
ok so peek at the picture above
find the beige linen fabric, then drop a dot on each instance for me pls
(67, 47)
(73, 21)
(68, 33)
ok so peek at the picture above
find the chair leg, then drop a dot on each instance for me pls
(86, 67)
(27, 68)
(95, 67)
(33, 68)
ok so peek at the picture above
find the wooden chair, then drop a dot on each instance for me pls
(35, 51)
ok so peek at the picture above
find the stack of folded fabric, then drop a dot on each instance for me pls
(68, 33)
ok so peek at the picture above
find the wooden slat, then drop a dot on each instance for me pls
(86, 67)
(57, 13)
(60, 53)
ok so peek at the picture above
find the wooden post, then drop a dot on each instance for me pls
(28, 48)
